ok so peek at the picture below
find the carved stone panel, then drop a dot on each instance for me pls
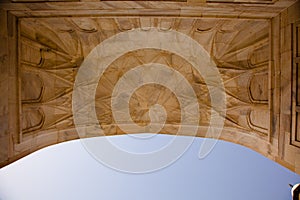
(52, 50)
(45, 43)
(295, 136)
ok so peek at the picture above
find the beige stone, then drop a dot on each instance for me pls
(250, 42)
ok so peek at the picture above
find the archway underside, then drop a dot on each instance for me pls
(246, 52)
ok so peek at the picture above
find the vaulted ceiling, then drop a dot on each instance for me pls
(254, 45)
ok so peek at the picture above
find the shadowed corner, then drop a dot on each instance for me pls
(295, 191)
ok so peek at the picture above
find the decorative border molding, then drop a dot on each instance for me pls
(295, 136)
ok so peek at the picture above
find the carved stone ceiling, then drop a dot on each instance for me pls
(53, 42)
(52, 49)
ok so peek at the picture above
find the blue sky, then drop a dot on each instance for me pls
(68, 171)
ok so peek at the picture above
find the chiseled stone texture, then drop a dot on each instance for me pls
(254, 67)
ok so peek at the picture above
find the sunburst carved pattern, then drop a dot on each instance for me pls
(50, 57)
(52, 49)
